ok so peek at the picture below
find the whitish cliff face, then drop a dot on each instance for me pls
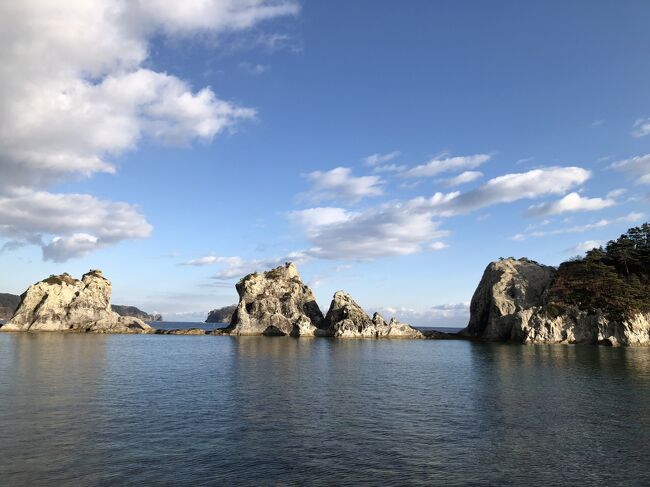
(62, 303)
(276, 302)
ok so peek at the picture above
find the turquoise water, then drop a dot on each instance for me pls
(199, 410)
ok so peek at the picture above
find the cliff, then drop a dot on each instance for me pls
(275, 302)
(221, 315)
(522, 301)
(62, 303)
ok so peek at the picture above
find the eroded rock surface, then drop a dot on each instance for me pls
(276, 302)
(62, 303)
(511, 303)
(346, 319)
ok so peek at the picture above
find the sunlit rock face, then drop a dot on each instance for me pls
(510, 303)
(62, 303)
(346, 319)
(276, 302)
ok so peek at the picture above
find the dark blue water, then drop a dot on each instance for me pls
(79, 410)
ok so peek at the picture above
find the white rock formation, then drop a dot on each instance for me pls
(276, 302)
(510, 304)
(346, 319)
(62, 303)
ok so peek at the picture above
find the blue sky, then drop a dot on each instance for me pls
(392, 149)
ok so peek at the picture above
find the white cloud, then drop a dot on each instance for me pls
(389, 168)
(641, 127)
(633, 217)
(586, 246)
(407, 227)
(463, 178)
(375, 159)
(570, 203)
(615, 193)
(75, 92)
(340, 185)
(638, 168)
(237, 267)
(438, 165)
(389, 229)
(509, 188)
(61, 249)
(202, 261)
(438, 245)
(78, 222)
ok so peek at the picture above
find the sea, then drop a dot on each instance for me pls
(104, 410)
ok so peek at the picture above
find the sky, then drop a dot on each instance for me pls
(390, 149)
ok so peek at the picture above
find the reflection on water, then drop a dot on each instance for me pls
(193, 410)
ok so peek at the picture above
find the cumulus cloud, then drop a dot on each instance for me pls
(78, 223)
(615, 193)
(447, 164)
(463, 178)
(376, 159)
(75, 92)
(340, 185)
(641, 127)
(570, 203)
(637, 168)
(389, 229)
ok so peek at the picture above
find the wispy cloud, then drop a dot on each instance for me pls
(638, 168)
(446, 164)
(463, 178)
(339, 184)
(375, 159)
(641, 127)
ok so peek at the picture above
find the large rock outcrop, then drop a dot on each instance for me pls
(221, 315)
(507, 287)
(276, 302)
(512, 303)
(346, 319)
(62, 303)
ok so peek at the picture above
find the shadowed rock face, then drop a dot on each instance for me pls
(510, 303)
(123, 310)
(62, 303)
(276, 302)
(346, 319)
(221, 315)
(8, 305)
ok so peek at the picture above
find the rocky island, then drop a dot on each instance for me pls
(62, 303)
(603, 298)
(221, 315)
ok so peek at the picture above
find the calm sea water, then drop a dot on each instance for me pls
(80, 410)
